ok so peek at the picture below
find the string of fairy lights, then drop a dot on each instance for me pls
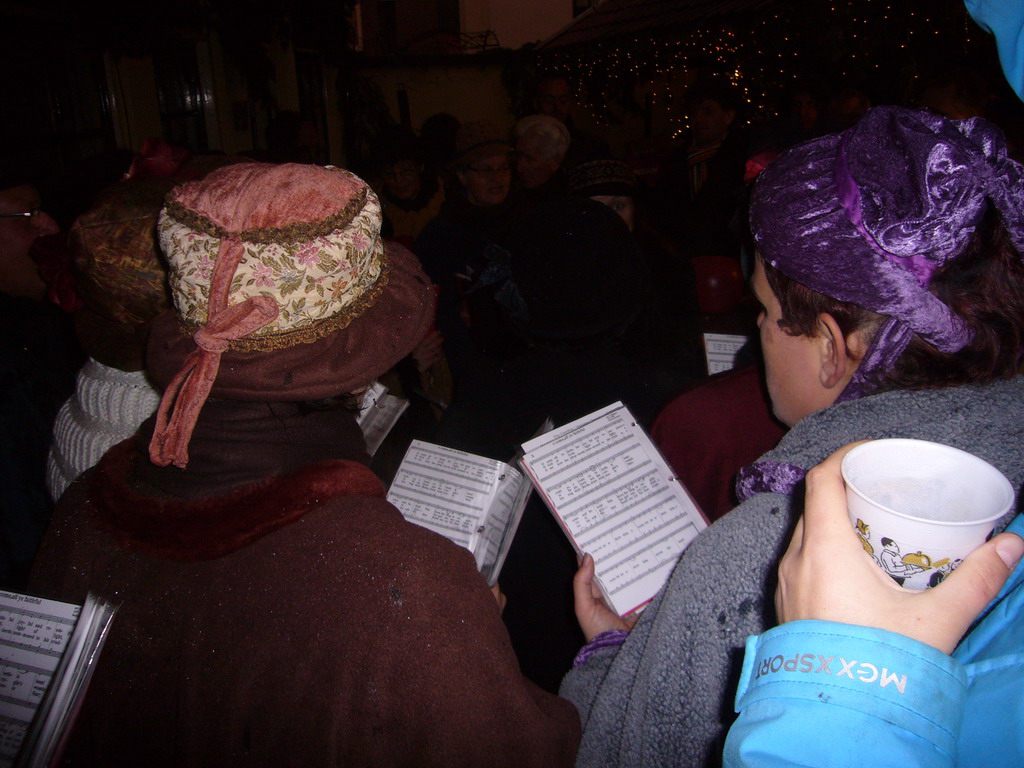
(763, 53)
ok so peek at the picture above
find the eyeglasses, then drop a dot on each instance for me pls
(20, 214)
(501, 170)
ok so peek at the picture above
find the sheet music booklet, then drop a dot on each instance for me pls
(48, 651)
(607, 485)
(617, 499)
(378, 415)
(473, 501)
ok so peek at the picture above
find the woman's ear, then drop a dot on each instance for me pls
(839, 355)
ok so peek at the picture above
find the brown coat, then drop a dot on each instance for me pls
(342, 635)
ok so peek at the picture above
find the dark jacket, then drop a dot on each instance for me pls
(295, 620)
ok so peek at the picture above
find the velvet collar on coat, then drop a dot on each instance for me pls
(260, 475)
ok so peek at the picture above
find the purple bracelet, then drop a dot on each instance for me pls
(609, 639)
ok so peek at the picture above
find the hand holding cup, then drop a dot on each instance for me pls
(920, 507)
(827, 575)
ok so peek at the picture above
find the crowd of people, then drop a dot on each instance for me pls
(181, 436)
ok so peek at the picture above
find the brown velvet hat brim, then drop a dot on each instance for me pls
(338, 363)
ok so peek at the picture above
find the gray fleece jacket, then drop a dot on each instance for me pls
(664, 698)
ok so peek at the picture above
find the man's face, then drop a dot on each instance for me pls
(487, 181)
(403, 179)
(531, 164)
(554, 99)
(709, 123)
(18, 273)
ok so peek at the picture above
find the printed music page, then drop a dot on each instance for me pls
(720, 350)
(33, 635)
(473, 501)
(616, 498)
(378, 415)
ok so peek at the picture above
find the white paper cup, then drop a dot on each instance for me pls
(920, 508)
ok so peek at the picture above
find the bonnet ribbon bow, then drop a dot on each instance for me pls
(185, 395)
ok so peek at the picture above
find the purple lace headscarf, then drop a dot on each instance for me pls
(867, 217)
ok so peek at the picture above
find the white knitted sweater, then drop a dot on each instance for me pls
(108, 406)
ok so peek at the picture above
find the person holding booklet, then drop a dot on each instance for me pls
(274, 608)
(891, 278)
(576, 292)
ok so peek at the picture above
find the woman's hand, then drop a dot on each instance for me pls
(826, 574)
(593, 615)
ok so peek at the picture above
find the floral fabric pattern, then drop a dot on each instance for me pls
(332, 277)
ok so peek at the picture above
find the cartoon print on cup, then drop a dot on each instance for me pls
(899, 566)
(942, 569)
(864, 532)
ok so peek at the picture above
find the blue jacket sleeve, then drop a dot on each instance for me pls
(1005, 20)
(816, 693)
